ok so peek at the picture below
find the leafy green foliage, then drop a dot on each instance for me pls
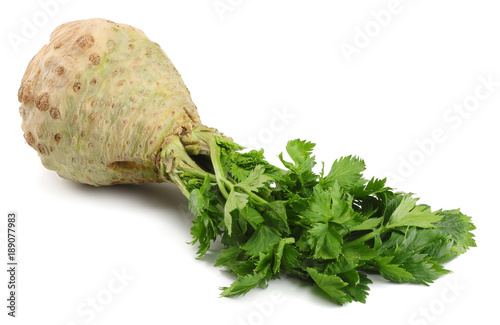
(262, 240)
(329, 229)
(235, 201)
(408, 213)
(325, 241)
(202, 204)
(346, 172)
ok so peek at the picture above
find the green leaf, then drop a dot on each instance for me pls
(252, 216)
(230, 257)
(235, 201)
(359, 252)
(199, 199)
(242, 285)
(278, 213)
(331, 284)
(357, 283)
(262, 240)
(204, 230)
(279, 251)
(263, 267)
(278, 254)
(409, 214)
(197, 202)
(419, 252)
(325, 240)
(290, 260)
(299, 179)
(374, 186)
(367, 224)
(359, 291)
(346, 171)
(424, 270)
(255, 180)
(329, 205)
(285, 163)
(239, 172)
(299, 150)
(340, 265)
(205, 226)
(227, 143)
(350, 276)
(458, 226)
(392, 272)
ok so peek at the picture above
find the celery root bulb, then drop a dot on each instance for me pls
(100, 101)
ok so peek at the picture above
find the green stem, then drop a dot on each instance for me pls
(214, 157)
(177, 181)
(175, 160)
(366, 237)
(257, 199)
(197, 172)
(178, 160)
(219, 173)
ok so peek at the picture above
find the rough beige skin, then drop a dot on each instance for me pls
(100, 101)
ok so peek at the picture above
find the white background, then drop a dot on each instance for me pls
(265, 72)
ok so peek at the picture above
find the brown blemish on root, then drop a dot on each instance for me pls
(93, 82)
(60, 71)
(189, 114)
(126, 166)
(30, 139)
(54, 113)
(41, 149)
(42, 102)
(26, 94)
(77, 86)
(94, 58)
(85, 42)
(58, 137)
